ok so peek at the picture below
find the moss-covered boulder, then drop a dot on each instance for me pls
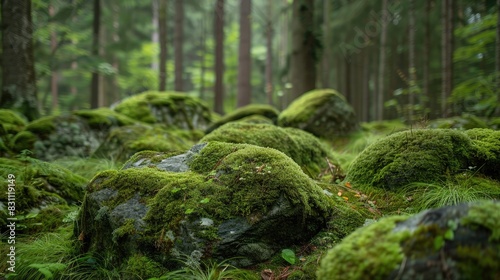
(10, 124)
(228, 203)
(172, 109)
(323, 112)
(38, 188)
(466, 121)
(487, 151)
(266, 111)
(424, 156)
(123, 142)
(456, 242)
(304, 148)
(76, 134)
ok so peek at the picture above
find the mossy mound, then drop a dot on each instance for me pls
(38, 186)
(263, 110)
(424, 155)
(456, 242)
(304, 148)
(123, 142)
(322, 112)
(11, 122)
(228, 204)
(487, 151)
(173, 109)
(77, 134)
(466, 121)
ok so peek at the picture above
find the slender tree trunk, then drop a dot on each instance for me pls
(497, 60)
(54, 74)
(365, 100)
(447, 55)
(219, 57)
(327, 40)
(426, 52)
(382, 62)
(269, 53)
(18, 64)
(155, 36)
(244, 59)
(179, 42)
(283, 54)
(302, 60)
(412, 71)
(94, 94)
(203, 50)
(162, 28)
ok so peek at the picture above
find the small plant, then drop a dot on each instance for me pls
(289, 256)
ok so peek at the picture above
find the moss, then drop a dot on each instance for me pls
(141, 267)
(42, 126)
(24, 140)
(257, 119)
(368, 253)
(322, 112)
(486, 143)
(104, 118)
(143, 107)
(384, 127)
(426, 155)
(304, 148)
(11, 121)
(485, 214)
(150, 156)
(262, 110)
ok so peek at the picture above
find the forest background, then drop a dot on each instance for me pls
(412, 60)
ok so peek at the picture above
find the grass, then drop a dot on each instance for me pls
(86, 167)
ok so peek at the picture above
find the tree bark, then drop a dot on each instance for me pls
(269, 53)
(426, 52)
(94, 88)
(219, 57)
(412, 71)
(54, 74)
(497, 60)
(155, 36)
(382, 62)
(244, 59)
(162, 27)
(18, 64)
(303, 56)
(327, 40)
(179, 42)
(447, 55)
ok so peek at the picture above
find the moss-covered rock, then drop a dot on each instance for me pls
(424, 155)
(487, 151)
(76, 134)
(456, 242)
(40, 187)
(229, 203)
(266, 111)
(11, 122)
(169, 108)
(466, 121)
(304, 148)
(324, 113)
(123, 142)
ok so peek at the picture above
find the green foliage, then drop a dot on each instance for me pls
(289, 256)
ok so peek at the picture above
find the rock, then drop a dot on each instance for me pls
(324, 113)
(486, 157)
(227, 204)
(123, 142)
(304, 148)
(454, 242)
(172, 109)
(76, 134)
(262, 110)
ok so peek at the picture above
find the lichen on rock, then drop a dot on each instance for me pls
(323, 112)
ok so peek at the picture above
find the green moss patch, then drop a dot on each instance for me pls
(304, 148)
(486, 144)
(104, 118)
(11, 121)
(266, 111)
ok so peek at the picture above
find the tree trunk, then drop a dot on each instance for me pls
(162, 28)
(94, 88)
(382, 62)
(426, 52)
(497, 60)
(18, 64)
(269, 53)
(155, 36)
(219, 57)
(178, 42)
(53, 75)
(327, 40)
(283, 55)
(244, 59)
(412, 71)
(447, 55)
(303, 56)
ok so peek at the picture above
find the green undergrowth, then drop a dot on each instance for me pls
(86, 167)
